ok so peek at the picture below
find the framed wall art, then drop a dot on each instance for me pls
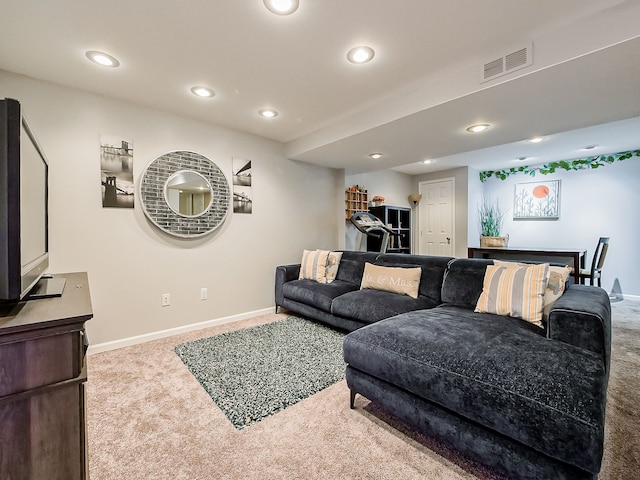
(242, 186)
(116, 171)
(537, 201)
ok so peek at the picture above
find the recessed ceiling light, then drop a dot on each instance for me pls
(376, 155)
(521, 159)
(589, 147)
(362, 54)
(203, 92)
(267, 113)
(282, 7)
(480, 127)
(427, 162)
(102, 58)
(535, 139)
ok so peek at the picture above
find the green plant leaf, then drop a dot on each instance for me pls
(568, 165)
(490, 217)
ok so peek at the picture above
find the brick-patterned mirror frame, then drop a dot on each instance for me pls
(156, 208)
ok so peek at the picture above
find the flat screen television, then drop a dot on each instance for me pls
(24, 211)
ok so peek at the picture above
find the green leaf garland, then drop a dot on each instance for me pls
(568, 165)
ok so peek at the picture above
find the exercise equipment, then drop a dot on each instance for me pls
(371, 226)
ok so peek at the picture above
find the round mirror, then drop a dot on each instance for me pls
(185, 194)
(188, 193)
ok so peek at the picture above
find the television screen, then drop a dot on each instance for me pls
(33, 204)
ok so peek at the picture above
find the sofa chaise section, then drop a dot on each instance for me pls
(502, 376)
(529, 401)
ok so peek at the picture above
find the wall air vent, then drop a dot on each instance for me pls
(510, 62)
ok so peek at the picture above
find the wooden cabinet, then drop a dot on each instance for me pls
(42, 391)
(399, 219)
(355, 201)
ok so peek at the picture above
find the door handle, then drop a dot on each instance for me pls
(448, 240)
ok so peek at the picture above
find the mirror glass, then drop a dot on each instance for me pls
(188, 193)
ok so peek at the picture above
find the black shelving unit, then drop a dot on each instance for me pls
(399, 219)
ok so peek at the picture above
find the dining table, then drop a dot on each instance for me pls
(573, 257)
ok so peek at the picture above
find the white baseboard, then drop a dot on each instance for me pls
(147, 337)
(633, 298)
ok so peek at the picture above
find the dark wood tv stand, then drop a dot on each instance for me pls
(42, 381)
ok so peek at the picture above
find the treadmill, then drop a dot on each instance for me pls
(371, 226)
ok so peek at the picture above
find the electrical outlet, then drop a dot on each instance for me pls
(204, 293)
(166, 299)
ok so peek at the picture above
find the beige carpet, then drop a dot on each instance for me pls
(148, 418)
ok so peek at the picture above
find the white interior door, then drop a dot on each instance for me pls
(436, 217)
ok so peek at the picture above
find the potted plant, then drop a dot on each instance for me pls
(491, 215)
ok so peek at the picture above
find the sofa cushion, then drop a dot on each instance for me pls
(319, 295)
(515, 291)
(497, 371)
(352, 266)
(370, 306)
(400, 280)
(463, 280)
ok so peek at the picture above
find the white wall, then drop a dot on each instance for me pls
(474, 198)
(593, 203)
(129, 261)
(395, 187)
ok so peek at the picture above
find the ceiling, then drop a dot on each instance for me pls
(413, 101)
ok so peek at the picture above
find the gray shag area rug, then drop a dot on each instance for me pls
(256, 372)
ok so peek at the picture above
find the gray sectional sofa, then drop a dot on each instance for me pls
(524, 400)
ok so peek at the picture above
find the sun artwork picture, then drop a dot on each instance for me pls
(537, 201)
(540, 191)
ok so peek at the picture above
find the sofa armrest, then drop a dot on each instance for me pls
(582, 317)
(284, 274)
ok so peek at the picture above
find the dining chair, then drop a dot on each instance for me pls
(596, 263)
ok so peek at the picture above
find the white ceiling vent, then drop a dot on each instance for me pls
(510, 62)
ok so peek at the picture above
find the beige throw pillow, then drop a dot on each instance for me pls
(404, 281)
(313, 265)
(515, 291)
(555, 287)
(333, 262)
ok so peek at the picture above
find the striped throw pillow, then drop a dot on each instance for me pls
(555, 287)
(314, 265)
(517, 292)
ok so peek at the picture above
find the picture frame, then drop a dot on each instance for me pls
(116, 172)
(537, 200)
(242, 185)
